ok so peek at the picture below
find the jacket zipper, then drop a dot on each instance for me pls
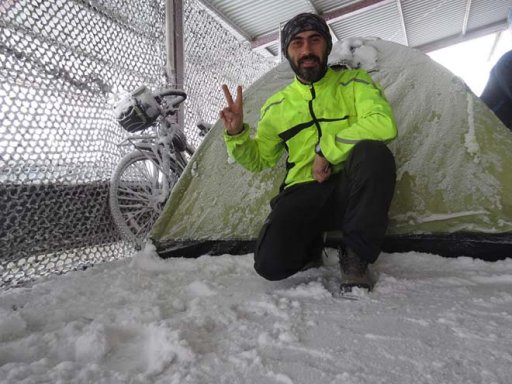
(312, 112)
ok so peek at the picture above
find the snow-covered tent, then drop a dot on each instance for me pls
(454, 160)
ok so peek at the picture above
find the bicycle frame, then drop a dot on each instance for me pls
(159, 147)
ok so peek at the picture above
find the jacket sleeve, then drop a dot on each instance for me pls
(255, 154)
(375, 121)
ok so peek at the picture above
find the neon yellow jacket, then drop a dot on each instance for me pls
(336, 112)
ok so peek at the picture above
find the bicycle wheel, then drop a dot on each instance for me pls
(137, 194)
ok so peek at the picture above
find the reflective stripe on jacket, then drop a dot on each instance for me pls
(336, 112)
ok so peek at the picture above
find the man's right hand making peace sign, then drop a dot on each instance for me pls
(233, 115)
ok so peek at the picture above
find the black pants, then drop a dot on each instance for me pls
(355, 201)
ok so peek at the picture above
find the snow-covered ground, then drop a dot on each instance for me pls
(214, 320)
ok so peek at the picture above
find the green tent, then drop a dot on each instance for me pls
(454, 162)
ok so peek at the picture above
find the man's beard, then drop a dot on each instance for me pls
(310, 75)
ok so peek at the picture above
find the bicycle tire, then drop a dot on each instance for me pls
(135, 195)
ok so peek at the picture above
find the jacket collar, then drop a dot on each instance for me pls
(306, 89)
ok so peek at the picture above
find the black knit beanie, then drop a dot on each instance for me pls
(301, 23)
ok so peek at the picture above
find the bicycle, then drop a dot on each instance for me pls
(142, 181)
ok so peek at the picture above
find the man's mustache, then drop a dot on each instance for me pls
(309, 57)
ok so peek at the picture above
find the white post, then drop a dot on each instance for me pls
(169, 41)
(175, 63)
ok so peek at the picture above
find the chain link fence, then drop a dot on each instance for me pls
(63, 64)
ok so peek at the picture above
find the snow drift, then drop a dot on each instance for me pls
(429, 320)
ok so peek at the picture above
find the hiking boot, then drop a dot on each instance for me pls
(354, 271)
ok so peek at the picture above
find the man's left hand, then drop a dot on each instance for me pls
(321, 169)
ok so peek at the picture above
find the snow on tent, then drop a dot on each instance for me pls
(454, 162)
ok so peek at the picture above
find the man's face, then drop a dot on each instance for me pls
(307, 54)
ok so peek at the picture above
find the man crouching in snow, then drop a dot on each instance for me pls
(340, 174)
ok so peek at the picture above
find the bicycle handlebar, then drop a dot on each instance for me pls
(181, 96)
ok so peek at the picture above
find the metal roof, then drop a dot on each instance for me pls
(423, 24)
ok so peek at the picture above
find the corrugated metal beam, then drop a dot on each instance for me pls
(354, 9)
(466, 17)
(225, 21)
(333, 34)
(402, 21)
(459, 38)
(329, 17)
(265, 40)
(494, 45)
